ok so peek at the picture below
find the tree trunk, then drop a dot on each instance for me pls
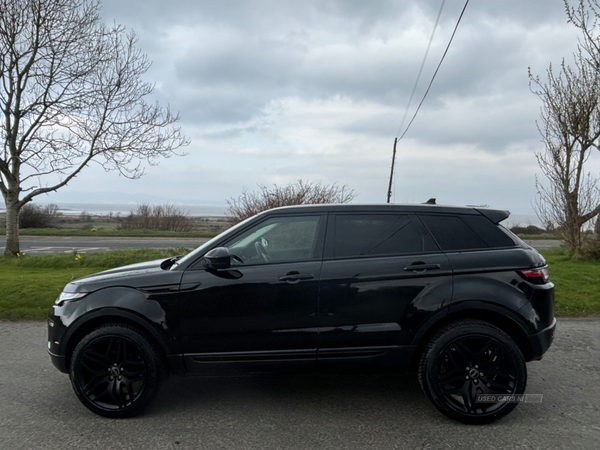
(12, 228)
(596, 237)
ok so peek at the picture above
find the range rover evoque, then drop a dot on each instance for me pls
(446, 290)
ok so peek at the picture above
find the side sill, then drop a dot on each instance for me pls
(226, 361)
(389, 356)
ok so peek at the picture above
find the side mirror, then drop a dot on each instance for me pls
(217, 258)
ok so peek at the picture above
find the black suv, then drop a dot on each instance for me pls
(446, 290)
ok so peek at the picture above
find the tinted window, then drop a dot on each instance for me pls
(451, 233)
(276, 239)
(377, 234)
(488, 231)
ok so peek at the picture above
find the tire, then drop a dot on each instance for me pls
(468, 358)
(116, 370)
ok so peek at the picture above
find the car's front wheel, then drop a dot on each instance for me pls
(473, 372)
(116, 370)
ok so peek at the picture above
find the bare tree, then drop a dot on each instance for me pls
(164, 217)
(71, 93)
(300, 193)
(586, 16)
(570, 130)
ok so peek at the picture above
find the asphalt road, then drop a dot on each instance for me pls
(37, 245)
(543, 243)
(319, 411)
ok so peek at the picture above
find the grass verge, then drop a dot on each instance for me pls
(576, 283)
(30, 284)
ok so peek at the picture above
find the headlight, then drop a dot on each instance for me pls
(68, 297)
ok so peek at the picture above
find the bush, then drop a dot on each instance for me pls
(161, 217)
(301, 193)
(529, 229)
(36, 216)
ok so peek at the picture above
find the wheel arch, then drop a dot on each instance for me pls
(493, 314)
(104, 316)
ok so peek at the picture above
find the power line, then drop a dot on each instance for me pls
(436, 70)
(389, 194)
(437, 20)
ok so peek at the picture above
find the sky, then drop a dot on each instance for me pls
(270, 92)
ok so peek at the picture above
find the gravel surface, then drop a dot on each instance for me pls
(317, 411)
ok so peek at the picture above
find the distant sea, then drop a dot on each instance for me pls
(98, 209)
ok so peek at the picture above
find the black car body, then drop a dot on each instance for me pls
(322, 285)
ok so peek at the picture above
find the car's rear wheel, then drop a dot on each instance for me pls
(116, 370)
(467, 360)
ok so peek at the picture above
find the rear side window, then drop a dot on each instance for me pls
(451, 233)
(454, 233)
(377, 234)
(488, 231)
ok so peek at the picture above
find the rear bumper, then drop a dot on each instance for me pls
(540, 342)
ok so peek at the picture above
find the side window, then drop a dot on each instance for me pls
(377, 234)
(487, 230)
(278, 239)
(452, 234)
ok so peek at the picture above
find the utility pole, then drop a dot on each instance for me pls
(389, 194)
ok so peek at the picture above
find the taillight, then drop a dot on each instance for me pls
(537, 276)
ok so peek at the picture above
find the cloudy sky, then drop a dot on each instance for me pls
(276, 91)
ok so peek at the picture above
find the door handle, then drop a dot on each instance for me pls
(296, 277)
(421, 268)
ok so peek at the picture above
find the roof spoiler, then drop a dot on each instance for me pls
(495, 215)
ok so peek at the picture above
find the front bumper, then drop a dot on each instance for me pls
(56, 332)
(59, 362)
(540, 342)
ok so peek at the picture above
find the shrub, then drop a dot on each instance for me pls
(529, 229)
(161, 217)
(36, 216)
(301, 193)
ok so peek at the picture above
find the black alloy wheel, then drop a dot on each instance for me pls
(116, 371)
(470, 359)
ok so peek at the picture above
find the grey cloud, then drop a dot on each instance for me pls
(266, 50)
(260, 67)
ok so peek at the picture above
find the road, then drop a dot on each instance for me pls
(319, 411)
(540, 244)
(36, 245)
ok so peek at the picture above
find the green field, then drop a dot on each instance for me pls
(30, 284)
(577, 283)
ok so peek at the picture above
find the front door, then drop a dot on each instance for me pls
(262, 309)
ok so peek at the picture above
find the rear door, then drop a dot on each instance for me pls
(382, 276)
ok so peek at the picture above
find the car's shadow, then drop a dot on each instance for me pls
(318, 391)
